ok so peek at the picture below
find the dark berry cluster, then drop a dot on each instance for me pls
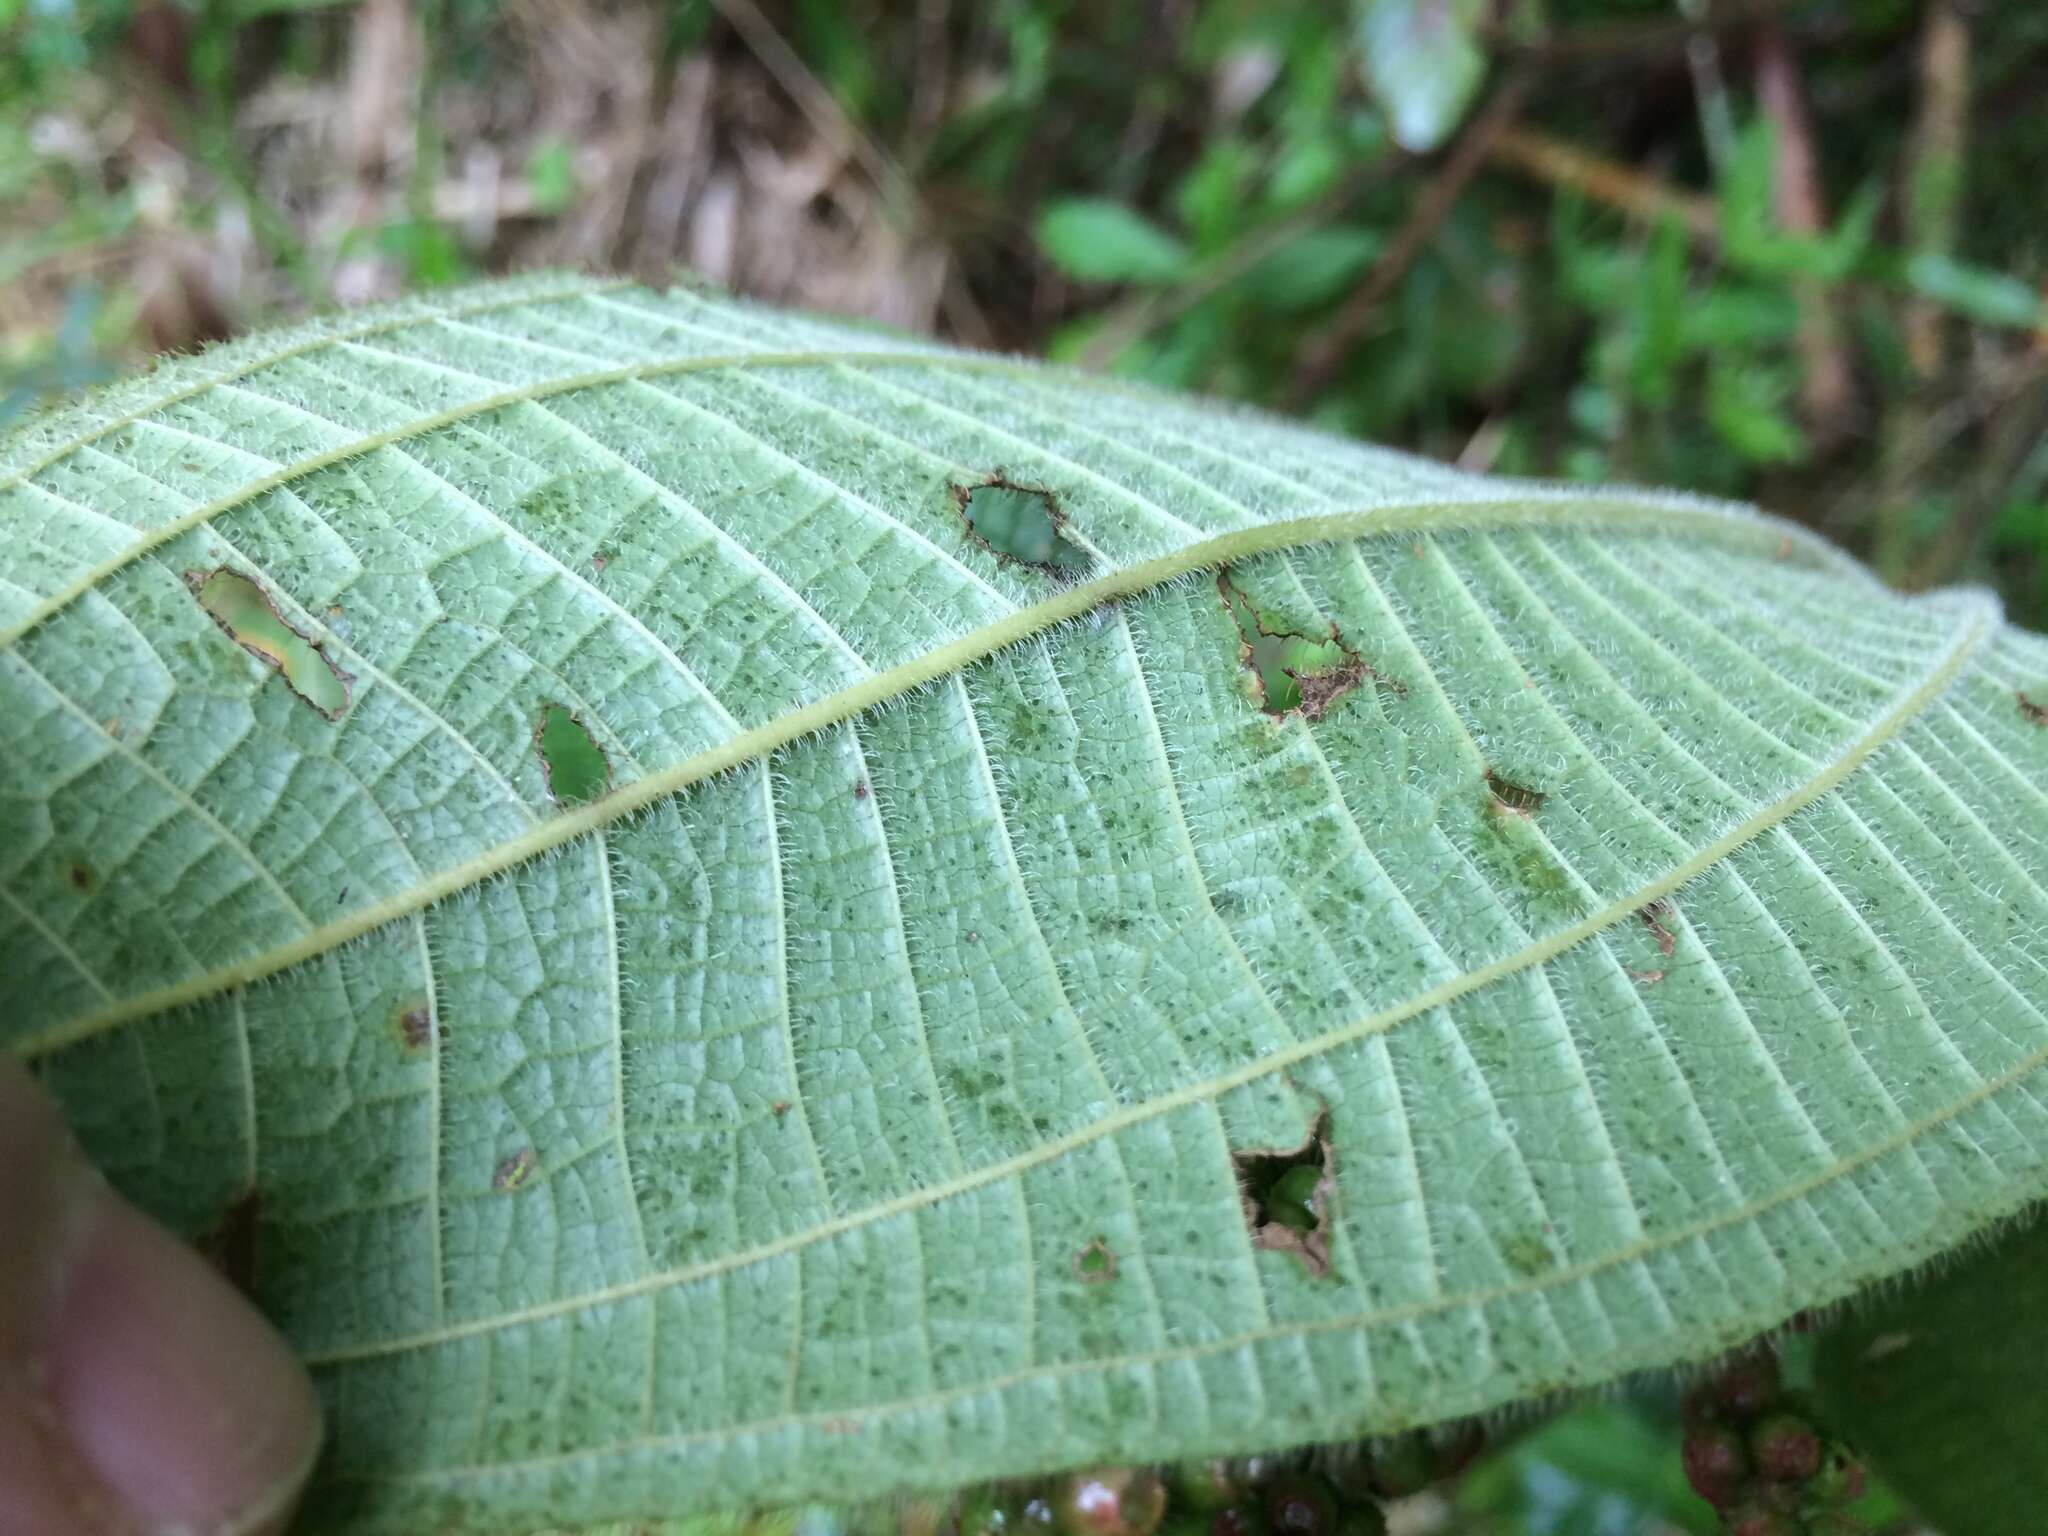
(1329, 1491)
(1752, 1453)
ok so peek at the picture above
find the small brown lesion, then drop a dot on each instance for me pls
(1287, 1195)
(1507, 798)
(2037, 713)
(515, 1172)
(413, 1024)
(80, 877)
(1094, 1263)
(1653, 917)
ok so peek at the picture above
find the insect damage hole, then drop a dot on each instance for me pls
(570, 758)
(1095, 1263)
(1507, 798)
(1286, 1193)
(1022, 523)
(1288, 673)
(245, 613)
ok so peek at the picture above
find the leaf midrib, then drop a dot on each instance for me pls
(1981, 621)
(1627, 513)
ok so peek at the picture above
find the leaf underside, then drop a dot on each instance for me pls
(1649, 923)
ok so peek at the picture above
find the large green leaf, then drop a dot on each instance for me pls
(1939, 1384)
(1636, 910)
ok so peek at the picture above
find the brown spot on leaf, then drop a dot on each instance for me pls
(1095, 1263)
(230, 1244)
(780, 1107)
(2038, 713)
(113, 727)
(246, 615)
(1511, 799)
(79, 876)
(1653, 919)
(860, 789)
(514, 1173)
(413, 1024)
(1647, 978)
(1286, 1193)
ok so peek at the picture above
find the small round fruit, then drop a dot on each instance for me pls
(1841, 1477)
(1786, 1448)
(1299, 1504)
(1457, 1450)
(1206, 1486)
(983, 1514)
(1715, 1464)
(1349, 1469)
(1110, 1501)
(1749, 1387)
(1754, 1520)
(1403, 1465)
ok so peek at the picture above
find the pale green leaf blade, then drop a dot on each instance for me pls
(1645, 909)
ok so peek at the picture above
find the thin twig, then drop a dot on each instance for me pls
(1932, 189)
(1710, 91)
(1559, 163)
(1322, 360)
(1798, 203)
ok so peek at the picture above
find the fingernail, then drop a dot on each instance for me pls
(172, 1387)
(162, 1383)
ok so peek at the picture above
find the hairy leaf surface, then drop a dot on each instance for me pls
(728, 987)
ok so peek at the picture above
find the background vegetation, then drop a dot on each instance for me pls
(1784, 251)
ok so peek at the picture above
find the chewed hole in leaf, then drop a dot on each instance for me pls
(244, 611)
(1289, 673)
(570, 757)
(1512, 798)
(1286, 1196)
(1021, 523)
(1095, 1264)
